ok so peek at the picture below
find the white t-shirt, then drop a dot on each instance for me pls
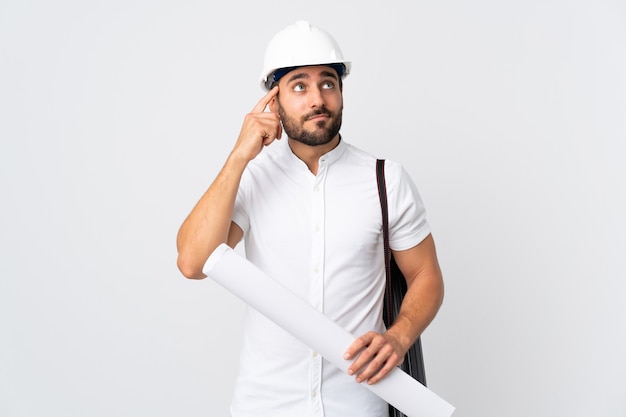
(320, 236)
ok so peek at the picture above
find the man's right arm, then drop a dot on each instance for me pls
(209, 224)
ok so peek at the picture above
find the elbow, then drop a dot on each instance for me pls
(440, 291)
(441, 297)
(190, 270)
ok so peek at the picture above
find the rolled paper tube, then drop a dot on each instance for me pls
(279, 304)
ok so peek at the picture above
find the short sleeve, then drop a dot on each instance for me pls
(240, 211)
(408, 225)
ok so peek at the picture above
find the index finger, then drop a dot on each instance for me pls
(357, 345)
(262, 104)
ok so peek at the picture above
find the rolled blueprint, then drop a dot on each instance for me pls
(313, 328)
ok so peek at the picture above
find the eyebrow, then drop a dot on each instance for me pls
(302, 75)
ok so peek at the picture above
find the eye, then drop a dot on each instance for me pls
(298, 88)
(327, 85)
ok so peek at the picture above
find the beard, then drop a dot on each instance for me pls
(325, 132)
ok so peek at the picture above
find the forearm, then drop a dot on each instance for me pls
(424, 294)
(208, 224)
(419, 307)
(420, 304)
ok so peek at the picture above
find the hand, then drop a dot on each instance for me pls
(259, 129)
(376, 355)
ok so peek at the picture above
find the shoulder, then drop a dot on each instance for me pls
(271, 158)
(394, 172)
(398, 181)
(360, 161)
(356, 156)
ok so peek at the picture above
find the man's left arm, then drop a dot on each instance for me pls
(380, 353)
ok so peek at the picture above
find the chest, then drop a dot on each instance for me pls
(343, 213)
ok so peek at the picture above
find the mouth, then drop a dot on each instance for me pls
(319, 116)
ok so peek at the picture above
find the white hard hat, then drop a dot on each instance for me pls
(301, 44)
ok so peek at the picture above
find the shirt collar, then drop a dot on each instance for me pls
(334, 154)
(327, 159)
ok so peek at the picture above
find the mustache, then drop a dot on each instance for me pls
(317, 113)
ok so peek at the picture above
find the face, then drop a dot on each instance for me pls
(310, 104)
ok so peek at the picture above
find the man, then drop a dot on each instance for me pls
(309, 213)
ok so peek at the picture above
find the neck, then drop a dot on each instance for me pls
(310, 155)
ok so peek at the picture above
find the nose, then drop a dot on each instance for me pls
(316, 98)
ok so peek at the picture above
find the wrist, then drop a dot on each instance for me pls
(401, 334)
(237, 160)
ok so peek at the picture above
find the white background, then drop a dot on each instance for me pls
(116, 115)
